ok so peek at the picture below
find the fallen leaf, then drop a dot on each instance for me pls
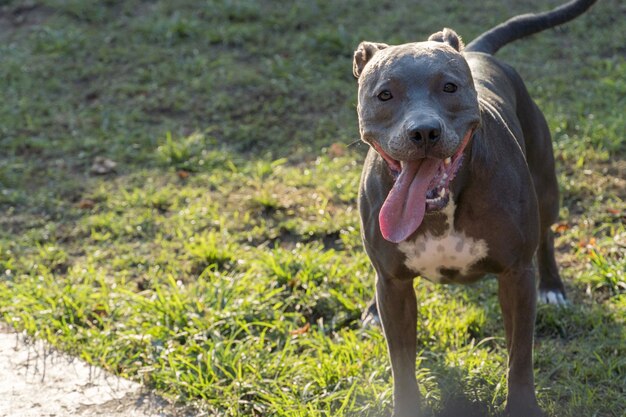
(302, 330)
(591, 243)
(562, 227)
(86, 204)
(102, 165)
(91, 96)
(336, 150)
(182, 174)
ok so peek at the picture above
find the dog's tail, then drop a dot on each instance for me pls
(525, 25)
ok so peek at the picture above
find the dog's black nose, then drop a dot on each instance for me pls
(430, 131)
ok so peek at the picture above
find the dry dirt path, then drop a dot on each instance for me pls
(38, 381)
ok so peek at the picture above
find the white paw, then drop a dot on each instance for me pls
(370, 320)
(552, 297)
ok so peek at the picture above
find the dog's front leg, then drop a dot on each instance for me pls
(398, 312)
(517, 295)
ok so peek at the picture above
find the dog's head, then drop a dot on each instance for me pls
(418, 108)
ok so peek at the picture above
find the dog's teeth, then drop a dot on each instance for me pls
(442, 192)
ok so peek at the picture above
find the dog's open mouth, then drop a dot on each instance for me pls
(420, 186)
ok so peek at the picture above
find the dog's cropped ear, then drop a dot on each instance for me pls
(448, 36)
(363, 54)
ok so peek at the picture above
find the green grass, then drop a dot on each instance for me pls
(220, 262)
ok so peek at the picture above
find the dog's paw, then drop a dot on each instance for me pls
(554, 297)
(370, 317)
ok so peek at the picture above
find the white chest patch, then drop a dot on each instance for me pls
(453, 250)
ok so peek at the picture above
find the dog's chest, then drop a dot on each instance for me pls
(445, 255)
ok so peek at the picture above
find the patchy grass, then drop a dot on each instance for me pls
(220, 261)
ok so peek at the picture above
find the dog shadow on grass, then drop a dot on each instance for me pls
(455, 402)
(462, 407)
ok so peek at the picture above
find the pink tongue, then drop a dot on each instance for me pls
(403, 210)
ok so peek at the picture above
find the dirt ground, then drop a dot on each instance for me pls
(38, 381)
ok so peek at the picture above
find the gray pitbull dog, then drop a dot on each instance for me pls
(459, 182)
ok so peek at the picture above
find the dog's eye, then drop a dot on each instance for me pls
(449, 88)
(385, 95)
